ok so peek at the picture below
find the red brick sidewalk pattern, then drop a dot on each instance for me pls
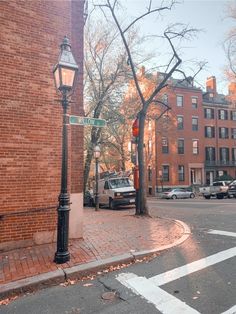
(106, 234)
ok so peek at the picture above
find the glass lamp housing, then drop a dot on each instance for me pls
(66, 68)
(96, 152)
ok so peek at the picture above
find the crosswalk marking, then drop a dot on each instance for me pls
(165, 302)
(187, 269)
(232, 310)
(220, 232)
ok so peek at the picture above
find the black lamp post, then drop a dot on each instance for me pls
(96, 155)
(64, 74)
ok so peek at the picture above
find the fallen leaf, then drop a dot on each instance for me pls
(71, 282)
(88, 284)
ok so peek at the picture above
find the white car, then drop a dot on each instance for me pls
(177, 193)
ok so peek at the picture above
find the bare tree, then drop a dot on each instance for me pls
(105, 72)
(172, 35)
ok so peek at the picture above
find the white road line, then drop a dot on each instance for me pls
(232, 310)
(187, 269)
(188, 201)
(163, 301)
(220, 232)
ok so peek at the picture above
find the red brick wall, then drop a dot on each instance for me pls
(31, 116)
(77, 107)
(173, 159)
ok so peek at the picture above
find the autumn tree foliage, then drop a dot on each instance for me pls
(230, 51)
(230, 46)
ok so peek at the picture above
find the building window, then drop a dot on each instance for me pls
(233, 115)
(209, 131)
(165, 173)
(223, 114)
(209, 113)
(223, 132)
(180, 122)
(194, 102)
(181, 172)
(210, 153)
(179, 101)
(165, 146)
(149, 147)
(233, 133)
(149, 173)
(234, 154)
(149, 125)
(165, 99)
(220, 173)
(194, 123)
(180, 146)
(195, 147)
(224, 154)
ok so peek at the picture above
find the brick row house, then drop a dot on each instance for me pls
(31, 120)
(219, 133)
(195, 141)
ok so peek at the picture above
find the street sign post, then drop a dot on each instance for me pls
(77, 120)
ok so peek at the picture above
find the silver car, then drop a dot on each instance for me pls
(177, 193)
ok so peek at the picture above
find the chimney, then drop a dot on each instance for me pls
(211, 85)
(232, 89)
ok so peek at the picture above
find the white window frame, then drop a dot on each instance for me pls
(182, 102)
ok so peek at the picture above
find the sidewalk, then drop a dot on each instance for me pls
(110, 237)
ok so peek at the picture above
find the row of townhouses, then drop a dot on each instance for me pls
(195, 141)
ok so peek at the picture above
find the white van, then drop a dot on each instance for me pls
(116, 191)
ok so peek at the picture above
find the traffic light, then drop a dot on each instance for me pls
(135, 127)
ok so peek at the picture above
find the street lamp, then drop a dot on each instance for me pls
(96, 155)
(64, 75)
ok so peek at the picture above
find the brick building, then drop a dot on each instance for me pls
(195, 142)
(31, 120)
(219, 132)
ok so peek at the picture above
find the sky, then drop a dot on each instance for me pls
(208, 15)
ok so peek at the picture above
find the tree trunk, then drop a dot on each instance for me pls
(95, 136)
(87, 165)
(143, 209)
(122, 158)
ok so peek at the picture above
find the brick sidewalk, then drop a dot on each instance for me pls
(106, 234)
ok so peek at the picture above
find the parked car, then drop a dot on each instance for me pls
(89, 199)
(232, 189)
(177, 193)
(218, 189)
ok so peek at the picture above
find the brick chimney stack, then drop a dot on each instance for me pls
(232, 88)
(211, 85)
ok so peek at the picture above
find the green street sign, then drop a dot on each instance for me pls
(76, 120)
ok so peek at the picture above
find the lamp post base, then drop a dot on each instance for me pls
(62, 254)
(61, 257)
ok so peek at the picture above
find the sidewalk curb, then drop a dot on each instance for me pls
(82, 270)
(92, 267)
(184, 237)
(26, 284)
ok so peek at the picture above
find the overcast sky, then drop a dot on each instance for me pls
(208, 15)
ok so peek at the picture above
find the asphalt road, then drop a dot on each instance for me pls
(195, 277)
